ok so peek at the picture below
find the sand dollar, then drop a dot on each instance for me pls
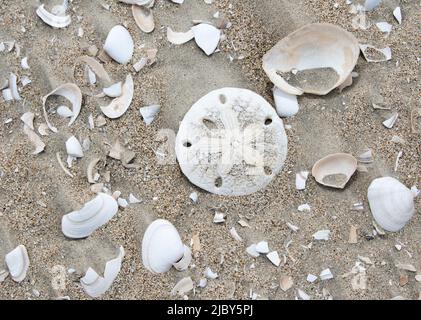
(231, 142)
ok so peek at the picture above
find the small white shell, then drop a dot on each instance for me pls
(13, 86)
(207, 37)
(24, 63)
(35, 139)
(28, 119)
(286, 104)
(17, 262)
(72, 93)
(183, 286)
(55, 21)
(397, 13)
(74, 148)
(389, 123)
(94, 285)
(179, 37)
(149, 113)
(143, 17)
(274, 258)
(96, 68)
(114, 91)
(335, 170)
(7, 94)
(119, 44)
(119, 105)
(301, 179)
(384, 27)
(391, 203)
(64, 111)
(262, 247)
(161, 247)
(95, 213)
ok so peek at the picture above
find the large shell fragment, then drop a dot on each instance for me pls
(71, 92)
(335, 170)
(95, 213)
(119, 105)
(149, 113)
(95, 285)
(179, 37)
(231, 142)
(143, 17)
(119, 44)
(35, 139)
(207, 37)
(391, 203)
(316, 58)
(55, 21)
(17, 262)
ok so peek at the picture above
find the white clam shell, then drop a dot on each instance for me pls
(94, 285)
(119, 44)
(311, 47)
(95, 213)
(119, 105)
(286, 104)
(74, 148)
(72, 93)
(143, 17)
(17, 262)
(179, 37)
(391, 203)
(335, 170)
(162, 247)
(231, 142)
(55, 21)
(207, 37)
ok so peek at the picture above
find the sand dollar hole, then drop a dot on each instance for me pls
(268, 121)
(210, 124)
(268, 171)
(223, 98)
(187, 144)
(218, 182)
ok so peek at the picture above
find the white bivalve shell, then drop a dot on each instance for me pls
(119, 105)
(391, 203)
(55, 21)
(231, 142)
(17, 262)
(143, 17)
(74, 148)
(95, 213)
(335, 170)
(162, 248)
(119, 44)
(316, 58)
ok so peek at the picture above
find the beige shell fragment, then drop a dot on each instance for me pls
(179, 37)
(373, 54)
(17, 262)
(90, 169)
(13, 86)
(143, 17)
(35, 139)
(71, 92)
(316, 58)
(147, 3)
(120, 105)
(28, 119)
(183, 286)
(55, 21)
(335, 170)
(96, 67)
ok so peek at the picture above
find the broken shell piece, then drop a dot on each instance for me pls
(119, 105)
(133, 199)
(285, 283)
(184, 262)
(74, 148)
(149, 113)
(96, 68)
(183, 286)
(90, 169)
(179, 37)
(235, 234)
(373, 54)
(95, 213)
(193, 197)
(143, 17)
(72, 93)
(326, 274)
(221, 145)
(122, 202)
(322, 235)
(210, 274)
(251, 250)
(28, 119)
(391, 203)
(114, 91)
(43, 129)
(24, 63)
(302, 295)
(177, 1)
(7, 94)
(64, 112)
(322, 56)
(162, 247)
(35, 139)
(397, 13)
(94, 285)
(262, 247)
(389, 123)
(366, 157)
(55, 21)
(274, 258)
(384, 27)
(146, 3)
(335, 170)
(218, 218)
(286, 104)
(300, 180)
(17, 261)
(304, 207)
(371, 4)
(406, 267)
(207, 37)
(119, 44)
(13, 86)
(311, 278)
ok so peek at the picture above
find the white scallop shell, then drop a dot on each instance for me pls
(143, 17)
(17, 262)
(335, 170)
(94, 285)
(119, 44)
(119, 105)
(72, 93)
(391, 203)
(52, 20)
(95, 213)
(231, 142)
(162, 248)
(311, 47)
(207, 37)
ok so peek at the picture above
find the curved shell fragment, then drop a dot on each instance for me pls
(17, 262)
(13, 86)
(373, 54)
(179, 37)
(149, 113)
(90, 169)
(183, 286)
(120, 105)
(64, 111)
(286, 104)
(35, 139)
(96, 68)
(335, 170)
(114, 91)
(207, 37)
(143, 17)
(55, 21)
(146, 3)
(74, 148)
(397, 13)
(28, 119)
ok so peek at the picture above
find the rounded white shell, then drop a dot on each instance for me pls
(335, 170)
(17, 262)
(319, 45)
(119, 44)
(74, 148)
(231, 142)
(162, 247)
(94, 214)
(391, 203)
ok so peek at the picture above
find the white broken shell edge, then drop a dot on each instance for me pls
(207, 37)
(183, 286)
(95, 213)
(34, 139)
(114, 91)
(90, 169)
(301, 179)
(144, 18)
(95, 285)
(17, 262)
(178, 38)
(52, 20)
(397, 13)
(119, 105)
(74, 148)
(235, 234)
(210, 274)
(149, 113)
(96, 67)
(389, 123)
(13, 86)
(185, 261)
(28, 119)
(386, 52)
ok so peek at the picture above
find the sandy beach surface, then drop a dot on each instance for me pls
(35, 193)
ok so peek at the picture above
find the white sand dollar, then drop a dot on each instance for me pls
(231, 142)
